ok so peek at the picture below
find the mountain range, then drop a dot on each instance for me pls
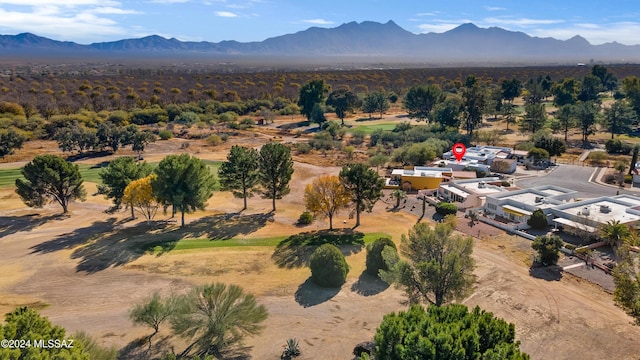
(466, 43)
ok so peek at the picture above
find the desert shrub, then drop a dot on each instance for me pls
(446, 208)
(328, 266)
(303, 148)
(375, 262)
(246, 123)
(214, 140)
(322, 141)
(628, 179)
(305, 218)
(505, 183)
(165, 134)
(615, 146)
(597, 157)
(187, 118)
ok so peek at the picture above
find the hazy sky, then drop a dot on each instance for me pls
(87, 21)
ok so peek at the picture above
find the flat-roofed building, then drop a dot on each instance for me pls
(469, 193)
(418, 178)
(590, 214)
(518, 205)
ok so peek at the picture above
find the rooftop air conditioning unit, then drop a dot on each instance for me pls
(482, 185)
(605, 209)
(585, 210)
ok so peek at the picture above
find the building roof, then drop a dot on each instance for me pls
(420, 171)
(601, 210)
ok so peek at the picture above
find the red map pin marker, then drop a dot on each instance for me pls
(458, 151)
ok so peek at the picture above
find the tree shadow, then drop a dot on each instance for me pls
(105, 244)
(12, 224)
(218, 227)
(138, 348)
(309, 294)
(549, 273)
(369, 285)
(295, 251)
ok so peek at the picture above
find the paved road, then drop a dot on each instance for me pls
(572, 177)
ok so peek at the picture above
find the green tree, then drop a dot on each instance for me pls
(311, 93)
(447, 332)
(364, 186)
(50, 178)
(565, 92)
(241, 172)
(608, 81)
(547, 248)
(439, 266)
(184, 182)
(421, 99)
(375, 261)
(375, 102)
(618, 117)
(328, 266)
(152, 312)
(118, 174)
(631, 88)
(587, 113)
(26, 324)
(276, 168)
(140, 140)
(317, 115)
(634, 159)
(590, 88)
(474, 100)
(216, 317)
(511, 89)
(614, 232)
(343, 101)
(447, 112)
(538, 219)
(109, 135)
(626, 278)
(535, 118)
(566, 117)
(378, 160)
(10, 140)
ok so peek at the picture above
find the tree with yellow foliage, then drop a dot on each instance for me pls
(326, 196)
(139, 196)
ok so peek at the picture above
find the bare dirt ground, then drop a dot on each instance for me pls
(81, 272)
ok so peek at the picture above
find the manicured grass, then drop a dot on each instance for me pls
(8, 177)
(90, 173)
(192, 244)
(369, 129)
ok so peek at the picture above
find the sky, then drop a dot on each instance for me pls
(88, 21)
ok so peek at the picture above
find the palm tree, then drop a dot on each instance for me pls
(399, 195)
(614, 233)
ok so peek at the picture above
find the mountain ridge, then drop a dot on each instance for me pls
(352, 39)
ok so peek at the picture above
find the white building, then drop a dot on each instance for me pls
(470, 193)
(590, 214)
(517, 206)
(482, 154)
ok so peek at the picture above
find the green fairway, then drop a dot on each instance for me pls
(90, 173)
(369, 129)
(192, 244)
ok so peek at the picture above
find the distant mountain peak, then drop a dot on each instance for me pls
(466, 43)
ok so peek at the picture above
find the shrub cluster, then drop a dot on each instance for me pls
(328, 266)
